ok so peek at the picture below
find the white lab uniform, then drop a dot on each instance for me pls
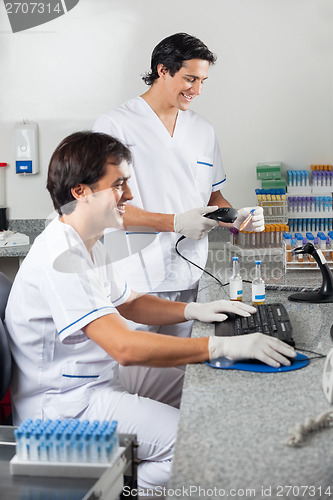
(60, 373)
(170, 175)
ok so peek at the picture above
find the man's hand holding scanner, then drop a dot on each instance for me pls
(197, 222)
(192, 224)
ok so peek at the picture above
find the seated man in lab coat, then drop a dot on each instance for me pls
(67, 312)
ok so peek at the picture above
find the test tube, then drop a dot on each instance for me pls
(307, 179)
(287, 246)
(277, 234)
(312, 204)
(290, 204)
(246, 222)
(253, 240)
(273, 236)
(314, 179)
(293, 173)
(233, 235)
(322, 242)
(299, 243)
(241, 239)
(330, 245)
(293, 246)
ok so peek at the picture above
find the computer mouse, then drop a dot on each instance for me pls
(224, 214)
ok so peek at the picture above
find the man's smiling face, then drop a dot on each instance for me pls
(186, 84)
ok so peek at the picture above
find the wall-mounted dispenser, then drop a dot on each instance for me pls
(26, 147)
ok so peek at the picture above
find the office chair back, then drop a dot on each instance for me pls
(5, 355)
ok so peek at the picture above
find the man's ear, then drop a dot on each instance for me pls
(79, 191)
(162, 70)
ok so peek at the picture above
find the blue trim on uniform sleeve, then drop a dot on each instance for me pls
(141, 232)
(221, 182)
(204, 163)
(91, 312)
(80, 376)
(121, 296)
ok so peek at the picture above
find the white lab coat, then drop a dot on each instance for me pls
(170, 175)
(58, 290)
(60, 373)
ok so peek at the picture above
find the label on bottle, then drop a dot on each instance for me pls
(236, 290)
(258, 293)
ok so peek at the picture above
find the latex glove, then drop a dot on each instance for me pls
(256, 224)
(259, 346)
(192, 224)
(213, 311)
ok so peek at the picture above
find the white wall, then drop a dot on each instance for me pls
(270, 95)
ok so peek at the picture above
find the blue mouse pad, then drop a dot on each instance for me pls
(257, 366)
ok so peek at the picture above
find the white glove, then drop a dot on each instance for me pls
(256, 224)
(211, 311)
(268, 349)
(192, 224)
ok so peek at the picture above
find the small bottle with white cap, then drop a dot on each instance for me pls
(235, 282)
(258, 286)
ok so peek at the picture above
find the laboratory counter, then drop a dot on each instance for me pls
(234, 425)
(30, 227)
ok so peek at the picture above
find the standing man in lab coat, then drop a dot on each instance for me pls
(177, 173)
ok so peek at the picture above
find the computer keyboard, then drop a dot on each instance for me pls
(271, 319)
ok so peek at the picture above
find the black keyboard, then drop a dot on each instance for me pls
(271, 319)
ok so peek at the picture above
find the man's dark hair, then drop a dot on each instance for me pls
(81, 159)
(173, 51)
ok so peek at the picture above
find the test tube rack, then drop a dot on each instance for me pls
(306, 261)
(20, 467)
(309, 199)
(68, 448)
(274, 211)
(314, 224)
(298, 263)
(265, 243)
(274, 204)
(321, 181)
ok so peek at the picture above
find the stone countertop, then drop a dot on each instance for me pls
(234, 425)
(30, 227)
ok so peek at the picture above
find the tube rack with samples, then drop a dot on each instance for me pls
(274, 204)
(267, 242)
(69, 440)
(298, 181)
(321, 241)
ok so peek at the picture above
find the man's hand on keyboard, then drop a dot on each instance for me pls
(259, 346)
(213, 311)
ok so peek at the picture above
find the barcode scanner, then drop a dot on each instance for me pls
(224, 214)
